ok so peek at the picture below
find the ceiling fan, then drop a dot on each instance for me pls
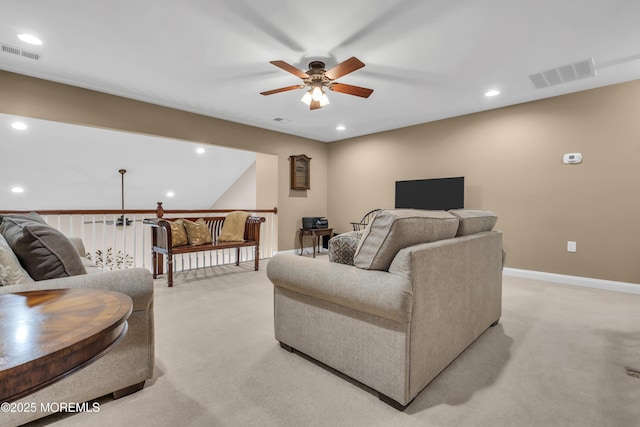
(316, 79)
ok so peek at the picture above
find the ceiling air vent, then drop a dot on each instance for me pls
(19, 52)
(564, 74)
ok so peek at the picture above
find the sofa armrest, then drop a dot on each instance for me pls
(375, 292)
(134, 282)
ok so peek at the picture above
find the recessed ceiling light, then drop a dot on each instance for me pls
(18, 125)
(17, 190)
(200, 150)
(492, 92)
(340, 127)
(31, 39)
(170, 194)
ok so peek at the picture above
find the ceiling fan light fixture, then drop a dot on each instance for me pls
(316, 80)
(316, 93)
(324, 100)
(306, 98)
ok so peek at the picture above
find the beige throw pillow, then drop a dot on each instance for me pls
(197, 232)
(395, 229)
(178, 233)
(233, 227)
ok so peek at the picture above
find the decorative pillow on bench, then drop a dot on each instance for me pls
(233, 227)
(178, 233)
(197, 232)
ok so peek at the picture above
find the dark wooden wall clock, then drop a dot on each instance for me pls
(300, 172)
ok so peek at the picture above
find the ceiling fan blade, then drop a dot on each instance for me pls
(351, 90)
(346, 67)
(282, 89)
(315, 105)
(291, 69)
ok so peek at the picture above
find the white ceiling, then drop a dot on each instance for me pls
(62, 166)
(425, 59)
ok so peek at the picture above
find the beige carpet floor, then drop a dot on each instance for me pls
(557, 358)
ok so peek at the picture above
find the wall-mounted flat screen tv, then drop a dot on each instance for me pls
(431, 194)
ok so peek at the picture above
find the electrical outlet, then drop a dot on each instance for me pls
(571, 246)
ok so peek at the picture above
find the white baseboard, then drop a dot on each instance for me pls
(587, 282)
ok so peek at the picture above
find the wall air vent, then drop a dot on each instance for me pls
(5, 48)
(564, 74)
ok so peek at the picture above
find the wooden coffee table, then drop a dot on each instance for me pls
(48, 335)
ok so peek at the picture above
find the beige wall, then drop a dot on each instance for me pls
(241, 194)
(30, 97)
(511, 159)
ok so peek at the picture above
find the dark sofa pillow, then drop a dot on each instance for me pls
(24, 218)
(42, 250)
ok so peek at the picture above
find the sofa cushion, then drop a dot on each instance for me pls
(474, 221)
(43, 251)
(11, 272)
(197, 232)
(342, 247)
(395, 229)
(233, 227)
(178, 233)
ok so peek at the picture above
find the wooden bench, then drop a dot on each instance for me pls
(161, 242)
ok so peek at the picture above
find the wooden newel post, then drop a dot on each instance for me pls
(158, 259)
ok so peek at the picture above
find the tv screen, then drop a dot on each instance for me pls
(431, 194)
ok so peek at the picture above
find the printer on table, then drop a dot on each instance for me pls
(314, 222)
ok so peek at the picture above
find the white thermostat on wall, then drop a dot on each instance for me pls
(572, 158)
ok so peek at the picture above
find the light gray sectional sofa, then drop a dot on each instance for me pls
(121, 371)
(423, 287)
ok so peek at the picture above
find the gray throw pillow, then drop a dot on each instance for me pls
(42, 250)
(24, 218)
(343, 247)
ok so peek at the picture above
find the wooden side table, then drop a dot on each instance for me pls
(48, 335)
(316, 233)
